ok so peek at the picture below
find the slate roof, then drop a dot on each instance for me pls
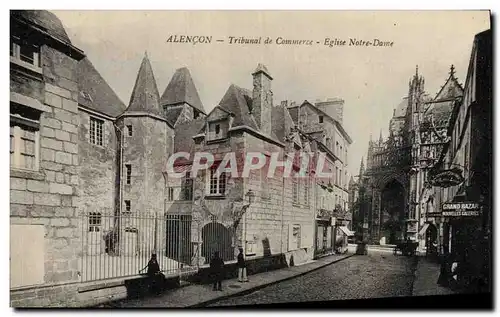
(181, 89)
(45, 20)
(172, 115)
(238, 101)
(184, 132)
(294, 113)
(145, 96)
(95, 93)
(282, 122)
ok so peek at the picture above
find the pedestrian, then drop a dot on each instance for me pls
(242, 268)
(156, 277)
(217, 271)
(443, 279)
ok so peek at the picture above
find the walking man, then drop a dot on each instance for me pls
(217, 270)
(242, 268)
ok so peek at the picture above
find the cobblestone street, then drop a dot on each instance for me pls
(376, 275)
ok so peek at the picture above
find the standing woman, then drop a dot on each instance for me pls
(242, 267)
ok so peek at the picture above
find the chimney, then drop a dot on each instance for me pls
(262, 98)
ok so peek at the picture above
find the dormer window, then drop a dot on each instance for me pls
(196, 114)
(24, 51)
(217, 130)
(320, 119)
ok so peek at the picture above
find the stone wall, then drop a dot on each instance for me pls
(147, 152)
(98, 168)
(47, 198)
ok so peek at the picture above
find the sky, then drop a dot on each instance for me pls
(371, 80)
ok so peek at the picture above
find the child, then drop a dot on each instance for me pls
(242, 268)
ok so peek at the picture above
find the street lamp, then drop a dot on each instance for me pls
(250, 195)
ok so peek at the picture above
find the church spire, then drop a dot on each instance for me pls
(362, 167)
(145, 96)
(380, 139)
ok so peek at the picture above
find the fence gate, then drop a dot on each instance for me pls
(120, 245)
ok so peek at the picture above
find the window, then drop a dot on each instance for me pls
(336, 175)
(129, 130)
(127, 206)
(216, 131)
(340, 177)
(24, 138)
(217, 182)
(306, 192)
(24, 51)
(196, 114)
(128, 169)
(320, 119)
(295, 191)
(96, 131)
(329, 143)
(95, 220)
(170, 194)
(187, 187)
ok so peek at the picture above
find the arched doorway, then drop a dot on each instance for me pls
(216, 237)
(431, 240)
(392, 212)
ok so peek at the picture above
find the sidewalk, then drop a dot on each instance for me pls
(196, 295)
(426, 276)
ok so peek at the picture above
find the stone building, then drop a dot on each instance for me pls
(322, 122)
(461, 179)
(44, 159)
(92, 195)
(397, 167)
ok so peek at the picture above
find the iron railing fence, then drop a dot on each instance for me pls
(121, 245)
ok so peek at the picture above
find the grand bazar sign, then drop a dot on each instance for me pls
(460, 209)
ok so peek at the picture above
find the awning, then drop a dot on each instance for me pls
(424, 228)
(346, 231)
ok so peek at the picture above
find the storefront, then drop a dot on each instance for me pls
(342, 233)
(324, 235)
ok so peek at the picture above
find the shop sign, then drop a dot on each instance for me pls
(412, 227)
(462, 209)
(447, 178)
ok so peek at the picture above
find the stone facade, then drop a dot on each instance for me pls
(45, 232)
(99, 183)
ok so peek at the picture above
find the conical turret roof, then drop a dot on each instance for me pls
(181, 89)
(145, 96)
